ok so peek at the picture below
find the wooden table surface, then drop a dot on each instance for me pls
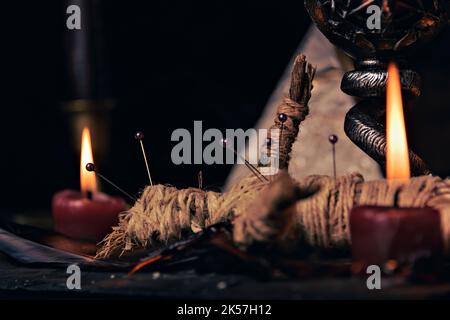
(19, 281)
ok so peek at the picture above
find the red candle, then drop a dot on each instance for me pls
(86, 214)
(380, 234)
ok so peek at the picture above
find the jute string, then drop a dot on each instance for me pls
(295, 107)
(314, 210)
(164, 213)
(322, 219)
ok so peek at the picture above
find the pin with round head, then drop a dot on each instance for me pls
(333, 139)
(140, 137)
(282, 117)
(91, 168)
(251, 167)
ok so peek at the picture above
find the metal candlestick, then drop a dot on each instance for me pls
(404, 25)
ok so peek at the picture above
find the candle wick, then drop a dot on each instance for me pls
(89, 195)
(396, 197)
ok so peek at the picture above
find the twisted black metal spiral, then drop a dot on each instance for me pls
(363, 125)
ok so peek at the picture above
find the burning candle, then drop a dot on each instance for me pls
(380, 233)
(86, 214)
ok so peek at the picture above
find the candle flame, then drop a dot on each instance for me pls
(88, 180)
(397, 158)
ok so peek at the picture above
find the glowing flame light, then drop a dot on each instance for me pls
(397, 159)
(88, 180)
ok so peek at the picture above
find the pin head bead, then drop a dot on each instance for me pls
(333, 139)
(90, 167)
(139, 135)
(282, 117)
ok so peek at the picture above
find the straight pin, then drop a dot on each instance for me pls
(140, 137)
(282, 118)
(251, 167)
(333, 140)
(91, 168)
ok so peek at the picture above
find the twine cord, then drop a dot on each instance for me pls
(321, 219)
(313, 211)
(164, 213)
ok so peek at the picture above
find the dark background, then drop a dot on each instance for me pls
(170, 62)
(167, 63)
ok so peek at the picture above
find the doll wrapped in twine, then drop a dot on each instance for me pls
(164, 213)
(281, 211)
(321, 217)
